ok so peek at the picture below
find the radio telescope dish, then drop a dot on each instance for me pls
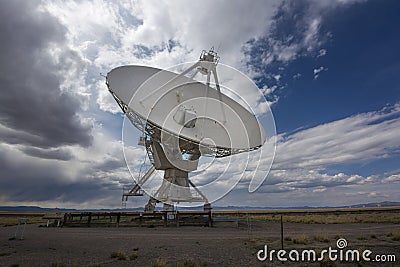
(181, 116)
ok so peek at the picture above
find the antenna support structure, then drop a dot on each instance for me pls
(166, 153)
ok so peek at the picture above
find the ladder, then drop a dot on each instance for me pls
(136, 189)
(149, 151)
(137, 186)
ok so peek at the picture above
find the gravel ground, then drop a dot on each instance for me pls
(222, 245)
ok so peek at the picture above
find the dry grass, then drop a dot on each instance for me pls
(4, 254)
(301, 240)
(321, 216)
(186, 263)
(133, 256)
(326, 262)
(120, 255)
(60, 264)
(332, 218)
(321, 239)
(10, 220)
(304, 240)
(287, 238)
(395, 236)
(159, 263)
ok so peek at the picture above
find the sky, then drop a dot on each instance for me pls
(329, 71)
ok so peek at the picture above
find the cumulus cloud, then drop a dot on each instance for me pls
(303, 159)
(32, 103)
(147, 30)
(50, 151)
(359, 137)
(322, 52)
(296, 31)
(105, 101)
(318, 71)
(394, 178)
(154, 33)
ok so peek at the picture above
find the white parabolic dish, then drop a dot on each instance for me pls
(157, 96)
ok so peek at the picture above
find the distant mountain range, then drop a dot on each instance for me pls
(40, 209)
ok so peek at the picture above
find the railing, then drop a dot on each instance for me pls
(156, 218)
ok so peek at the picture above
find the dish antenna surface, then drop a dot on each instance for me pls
(181, 120)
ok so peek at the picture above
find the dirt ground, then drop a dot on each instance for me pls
(225, 244)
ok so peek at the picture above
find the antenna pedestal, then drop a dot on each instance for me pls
(176, 186)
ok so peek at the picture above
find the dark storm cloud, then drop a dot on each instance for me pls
(58, 154)
(32, 108)
(111, 164)
(12, 136)
(32, 181)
